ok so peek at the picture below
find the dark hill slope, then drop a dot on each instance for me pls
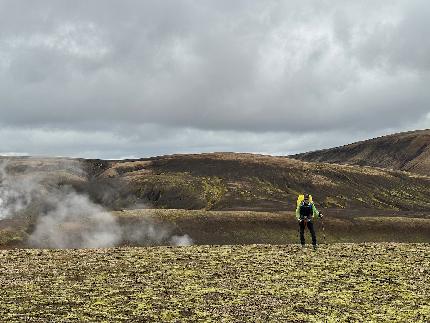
(409, 151)
(244, 181)
(227, 181)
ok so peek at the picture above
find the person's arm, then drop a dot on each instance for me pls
(298, 212)
(315, 212)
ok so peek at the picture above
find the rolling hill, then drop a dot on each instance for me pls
(226, 181)
(408, 151)
(251, 198)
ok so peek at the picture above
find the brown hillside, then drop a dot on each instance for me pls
(228, 181)
(409, 151)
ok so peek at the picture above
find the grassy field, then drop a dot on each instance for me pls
(340, 282)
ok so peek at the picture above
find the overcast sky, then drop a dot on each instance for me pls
(117, 79)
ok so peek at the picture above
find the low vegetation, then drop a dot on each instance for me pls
(338, 283)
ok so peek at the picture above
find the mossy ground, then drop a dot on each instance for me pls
(257, 283)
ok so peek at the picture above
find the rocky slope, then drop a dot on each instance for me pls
(409, 151)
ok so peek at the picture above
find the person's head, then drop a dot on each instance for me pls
(306, 199)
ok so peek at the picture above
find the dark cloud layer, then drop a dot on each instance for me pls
(132, 78)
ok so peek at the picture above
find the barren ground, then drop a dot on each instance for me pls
(342, 282)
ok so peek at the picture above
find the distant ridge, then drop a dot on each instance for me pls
(407, 151)
(227, 181)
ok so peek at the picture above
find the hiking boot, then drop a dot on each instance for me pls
(315, 247)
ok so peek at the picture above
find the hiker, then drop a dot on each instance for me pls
(305, 212)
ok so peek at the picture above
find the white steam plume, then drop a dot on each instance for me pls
(16, 192)
(184, 240)
(75, 222)
(69, 219)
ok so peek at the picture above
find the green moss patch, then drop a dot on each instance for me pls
(257, 283)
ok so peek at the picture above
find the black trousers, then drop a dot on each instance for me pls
(310, 226)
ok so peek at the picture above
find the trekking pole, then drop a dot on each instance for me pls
(322, 223)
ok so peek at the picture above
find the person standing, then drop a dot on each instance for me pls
(305, 213)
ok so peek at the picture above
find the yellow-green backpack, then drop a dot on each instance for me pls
(302, 197)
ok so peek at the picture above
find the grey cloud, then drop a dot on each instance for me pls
(245, 67)
(153, 140)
